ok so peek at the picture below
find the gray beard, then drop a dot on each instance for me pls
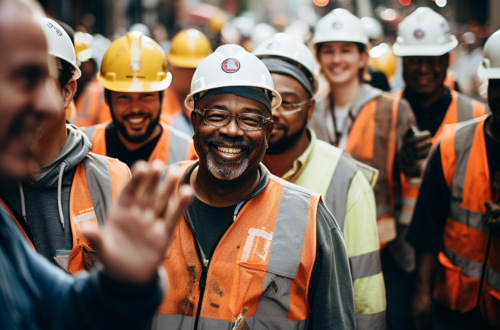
(222, 172)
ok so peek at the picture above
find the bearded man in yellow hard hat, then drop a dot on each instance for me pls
(134, 75)
(189, 48)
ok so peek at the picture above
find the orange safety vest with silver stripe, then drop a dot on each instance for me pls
(464, 262)
(373, 141)
(96, 184)
(172, 147)
(263, 263)
(91, 106)
(462, 108)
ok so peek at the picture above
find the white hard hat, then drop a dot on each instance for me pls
(59, 43)
(340, 25)
(373, 28)
(289, 49)
(490, 65)
(261, 32)
(231, 65)
(424, 33)
(142, 28)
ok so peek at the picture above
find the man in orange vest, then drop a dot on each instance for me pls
(73, 185)
(35, 293)
(424, 43)
(189, 48)
(455, 227)
(134, 75)
(252, 250)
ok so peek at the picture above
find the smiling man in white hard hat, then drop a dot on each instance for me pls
(424, 41)
(296, 155)
(252, 251)
(45, 206)
(460, 237)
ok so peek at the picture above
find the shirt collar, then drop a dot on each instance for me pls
(299, 163)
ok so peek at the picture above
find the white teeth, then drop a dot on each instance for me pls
(136, 120)
(229, 151)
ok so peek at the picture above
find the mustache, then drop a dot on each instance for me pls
(140, 113)
(238, 142)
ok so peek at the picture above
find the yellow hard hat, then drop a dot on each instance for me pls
(134, 63)
(383, 59)
(83, 51)
(189, 48)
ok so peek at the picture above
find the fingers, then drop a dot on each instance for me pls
(177, 206)
(128, 194)
(146, 190)
(167, 190)
(94, 236)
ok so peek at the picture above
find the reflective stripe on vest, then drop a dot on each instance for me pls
(263, 263)
(465, 168)
(172, 147)
(374, 133)
(96, 184)
(461, 109)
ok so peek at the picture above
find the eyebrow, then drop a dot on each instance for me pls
(246, 109)
(290, 94)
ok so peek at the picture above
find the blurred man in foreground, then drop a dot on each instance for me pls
(456, 225)
(296, 155)
(35, 294)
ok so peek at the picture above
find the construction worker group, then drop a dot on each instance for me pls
(253, 202)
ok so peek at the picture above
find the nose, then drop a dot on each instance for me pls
(232, 129)
(46, 101)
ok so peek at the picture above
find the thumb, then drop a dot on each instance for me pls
(94, 236)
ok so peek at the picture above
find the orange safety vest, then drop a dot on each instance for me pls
(263, 262)
(467, 273)
(462, 108)
(91, 106)
(172, 147)
(372, 140)
(96, 184)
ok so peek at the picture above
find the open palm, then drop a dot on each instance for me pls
(133, 242)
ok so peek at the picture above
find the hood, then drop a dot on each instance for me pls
(366, 94)
(77, 147)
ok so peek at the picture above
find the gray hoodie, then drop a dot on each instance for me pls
(44, 202)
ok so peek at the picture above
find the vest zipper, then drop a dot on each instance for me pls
(202, 284)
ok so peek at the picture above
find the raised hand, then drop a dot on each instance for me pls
(133, 242)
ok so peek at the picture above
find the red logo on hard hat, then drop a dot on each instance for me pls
(337, 25)
(134, 66)
(419, 34)
(231, 65)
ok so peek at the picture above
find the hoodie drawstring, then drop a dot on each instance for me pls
(59, 188)
(23, 204)
(59, 203)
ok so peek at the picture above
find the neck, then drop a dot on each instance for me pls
(132, 146)
(51, 143)
(344, 94)
(426, 100)
(279, 164)
(220, 193)
(493, 128)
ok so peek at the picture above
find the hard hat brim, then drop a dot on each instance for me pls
(488, 73)
(424, 50)
(189, 102)
(135, 86)
(184, 62)
(365, 42)
(78, 73)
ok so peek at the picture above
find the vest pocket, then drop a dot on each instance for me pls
(454, 290)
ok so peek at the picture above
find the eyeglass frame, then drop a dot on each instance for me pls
(300, 104)
(264, 121)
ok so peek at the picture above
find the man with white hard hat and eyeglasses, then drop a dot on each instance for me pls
(296, 155)
(458, 242)
(252, 251)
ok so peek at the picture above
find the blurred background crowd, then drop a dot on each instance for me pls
(249, 22)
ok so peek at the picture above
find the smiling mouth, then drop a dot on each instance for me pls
(229, 151)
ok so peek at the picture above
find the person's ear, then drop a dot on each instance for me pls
(68, 92)
(194, 120)
(310, 109)
(268, 129)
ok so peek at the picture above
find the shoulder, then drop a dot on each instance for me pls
(116, 168)
(90, 130)
(175, 133)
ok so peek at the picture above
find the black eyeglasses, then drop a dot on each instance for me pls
(220, 118)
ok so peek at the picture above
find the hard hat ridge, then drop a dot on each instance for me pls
(231, 65)
(340, 25)
(424, 33)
